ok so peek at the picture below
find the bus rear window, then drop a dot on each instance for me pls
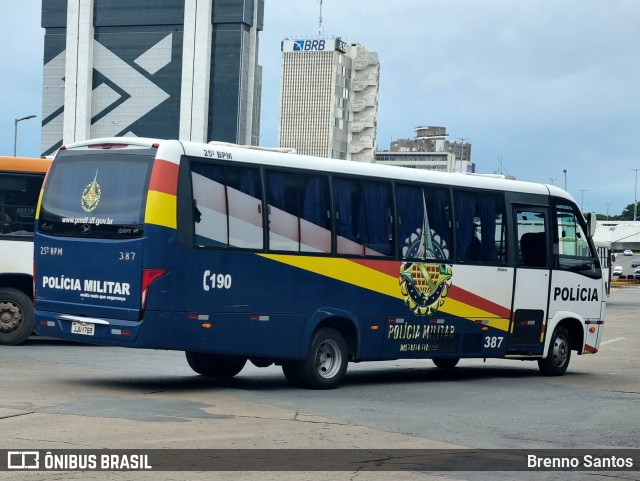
(96, 194)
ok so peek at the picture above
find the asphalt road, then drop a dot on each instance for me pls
(57, 395)
(626, 262)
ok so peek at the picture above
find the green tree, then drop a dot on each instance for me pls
(627, 213)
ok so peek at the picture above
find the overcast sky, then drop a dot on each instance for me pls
(543, 85)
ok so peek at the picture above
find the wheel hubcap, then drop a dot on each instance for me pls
(10, 317)
(328, 359)
(560, 351)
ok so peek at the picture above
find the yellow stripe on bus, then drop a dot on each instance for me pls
(161, 209)
(344, 270)
(358, 275)
(39, 203)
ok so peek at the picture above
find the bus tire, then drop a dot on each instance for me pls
(214, 365)
(559, 355)
(326, 362)
(291, 370)
(448, 363)
(17, 317)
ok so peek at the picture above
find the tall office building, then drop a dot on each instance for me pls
(329, 99)
(169, 69)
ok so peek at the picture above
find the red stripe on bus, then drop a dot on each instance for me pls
(390, 268)
(474, 300)
(393, 269)
(164, 177)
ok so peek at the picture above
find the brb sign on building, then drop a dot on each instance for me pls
(314, 45)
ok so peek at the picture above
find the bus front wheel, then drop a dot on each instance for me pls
(326, 363)
(557, 360)
(214, 365)
(17, 317)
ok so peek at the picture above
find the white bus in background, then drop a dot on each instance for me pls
(20, 183)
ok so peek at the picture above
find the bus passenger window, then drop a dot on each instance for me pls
(480, 228)
(298, 212)
(363, 217)
(424, 224)
(532, 239)
(376, 226)
(227, 203)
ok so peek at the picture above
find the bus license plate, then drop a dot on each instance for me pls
(83, 328)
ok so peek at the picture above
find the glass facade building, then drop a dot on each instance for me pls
(182, 69)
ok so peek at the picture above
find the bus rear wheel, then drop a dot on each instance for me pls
(215, 365)
(326, 362)
(559, 355)
(446, 363)
(17, 317)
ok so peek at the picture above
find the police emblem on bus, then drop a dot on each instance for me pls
(423, 285)
(91, 195)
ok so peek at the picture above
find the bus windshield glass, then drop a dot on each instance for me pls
(94, 193)
(18, 198)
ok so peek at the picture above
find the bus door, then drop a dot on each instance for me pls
(531, 292)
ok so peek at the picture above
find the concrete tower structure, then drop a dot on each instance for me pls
(328, 99)
(169, 69)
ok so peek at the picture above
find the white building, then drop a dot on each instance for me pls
(328, 99)
(430, 149)
(618, 234)
(440, 161)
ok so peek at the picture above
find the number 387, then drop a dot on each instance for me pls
(493, 342)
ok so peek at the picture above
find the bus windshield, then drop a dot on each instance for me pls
(18, 199)
(94, 193)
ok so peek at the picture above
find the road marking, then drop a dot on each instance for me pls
(612, 340)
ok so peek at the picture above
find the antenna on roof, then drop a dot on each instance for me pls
(320, 20)
(502, 170)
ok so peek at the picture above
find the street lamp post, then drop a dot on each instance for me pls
(582, 191)
(608, 205)
(15, 131)
(564, 171)
(635, 197)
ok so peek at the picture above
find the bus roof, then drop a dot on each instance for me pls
(24, 164)
(276, 158)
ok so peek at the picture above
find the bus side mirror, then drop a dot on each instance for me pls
(591, 223)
